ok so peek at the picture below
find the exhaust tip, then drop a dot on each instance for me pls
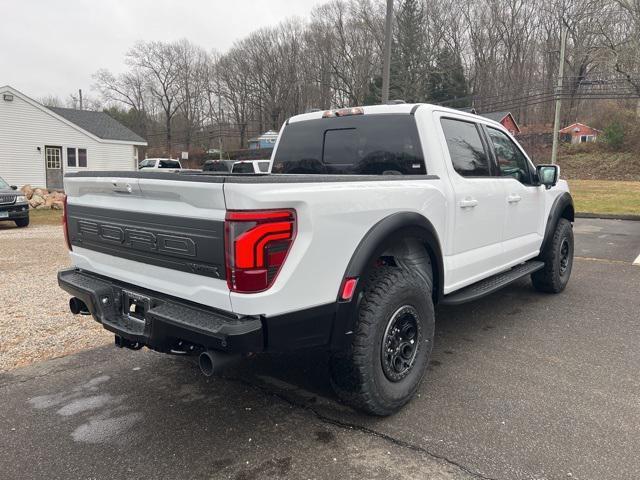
(205, 361)
(77, 306)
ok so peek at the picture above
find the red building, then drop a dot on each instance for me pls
(580, 133)
(504, 118)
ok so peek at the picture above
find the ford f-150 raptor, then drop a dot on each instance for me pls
(368, 217)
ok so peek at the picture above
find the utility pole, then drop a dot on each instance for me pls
(219, 118)
(556, 121)
(386, 64)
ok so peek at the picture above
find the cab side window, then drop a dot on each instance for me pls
(466, 149)
(510, 159)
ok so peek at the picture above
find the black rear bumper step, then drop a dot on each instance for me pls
(167, 324)
(491, 284)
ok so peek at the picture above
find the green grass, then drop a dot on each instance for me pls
(45, 217)
(606, 196)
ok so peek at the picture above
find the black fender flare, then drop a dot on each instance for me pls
(378, 239)
(562, 207)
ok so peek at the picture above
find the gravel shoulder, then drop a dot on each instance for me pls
(35, 323)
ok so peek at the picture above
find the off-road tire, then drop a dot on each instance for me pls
(357, 375)
(554, 276)
(22, 222)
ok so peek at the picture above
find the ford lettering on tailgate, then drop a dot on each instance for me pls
(190, 245)
(138, 239)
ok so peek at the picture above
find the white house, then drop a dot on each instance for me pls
(39, 144)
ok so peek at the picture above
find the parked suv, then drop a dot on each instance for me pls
(370, 216)
(13, 204)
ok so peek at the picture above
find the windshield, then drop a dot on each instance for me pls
(384, 144)
(242, 167)
(3, 184)
(215, 167)
(169, 164)
(146, 163)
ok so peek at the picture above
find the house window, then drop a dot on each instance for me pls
(583, 138)
(77, 157)
(53, 158)
(82, 157)
(71, 157)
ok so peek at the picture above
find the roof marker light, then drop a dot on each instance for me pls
(343, 112)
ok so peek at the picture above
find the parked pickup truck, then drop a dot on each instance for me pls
(159, 165)
(370, 216)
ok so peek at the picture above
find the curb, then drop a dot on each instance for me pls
(608, 216)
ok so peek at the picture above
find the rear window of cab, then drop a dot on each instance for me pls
(383, 144)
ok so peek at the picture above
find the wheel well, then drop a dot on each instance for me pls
(415, 254)
(402, 235)
(399, 238)
(568, 213)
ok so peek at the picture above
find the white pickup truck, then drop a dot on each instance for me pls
(368, 218)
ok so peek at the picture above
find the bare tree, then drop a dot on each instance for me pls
(128, 89)
(498, 54)
(235, 89)
(51, 101)
(160, 64)
(192, 69)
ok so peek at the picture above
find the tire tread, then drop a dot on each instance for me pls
(548, 279)
(351, 373)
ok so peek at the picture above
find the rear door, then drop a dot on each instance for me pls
(478, 206)
(161, 231)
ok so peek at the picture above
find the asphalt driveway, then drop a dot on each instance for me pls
(521, 385)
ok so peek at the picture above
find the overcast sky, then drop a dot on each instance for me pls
(54, 46)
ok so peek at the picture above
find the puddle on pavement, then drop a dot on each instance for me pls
(109, 421)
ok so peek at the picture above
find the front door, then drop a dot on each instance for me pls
(53, 167)
(523, 225)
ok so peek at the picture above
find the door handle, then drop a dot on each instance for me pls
(468, 203)
(514, 198)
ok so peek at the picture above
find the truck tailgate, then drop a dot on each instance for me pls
(165, 234)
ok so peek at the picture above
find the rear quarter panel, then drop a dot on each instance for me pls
(332, 219)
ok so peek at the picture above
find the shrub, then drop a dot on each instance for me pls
(614, 135)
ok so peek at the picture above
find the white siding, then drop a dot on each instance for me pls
(24, 128)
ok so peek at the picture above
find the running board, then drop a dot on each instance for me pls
(491, 284)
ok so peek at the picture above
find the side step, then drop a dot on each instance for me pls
(491, 284)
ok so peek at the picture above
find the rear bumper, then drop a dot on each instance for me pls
(15, 211)
(168, 324)
(173, 325)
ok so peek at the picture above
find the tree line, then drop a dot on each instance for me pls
(491, 54)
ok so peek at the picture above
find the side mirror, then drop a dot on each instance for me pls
(14, 187)
(548, 175)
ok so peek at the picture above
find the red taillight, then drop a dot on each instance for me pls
(257, 244)
(65, 223)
